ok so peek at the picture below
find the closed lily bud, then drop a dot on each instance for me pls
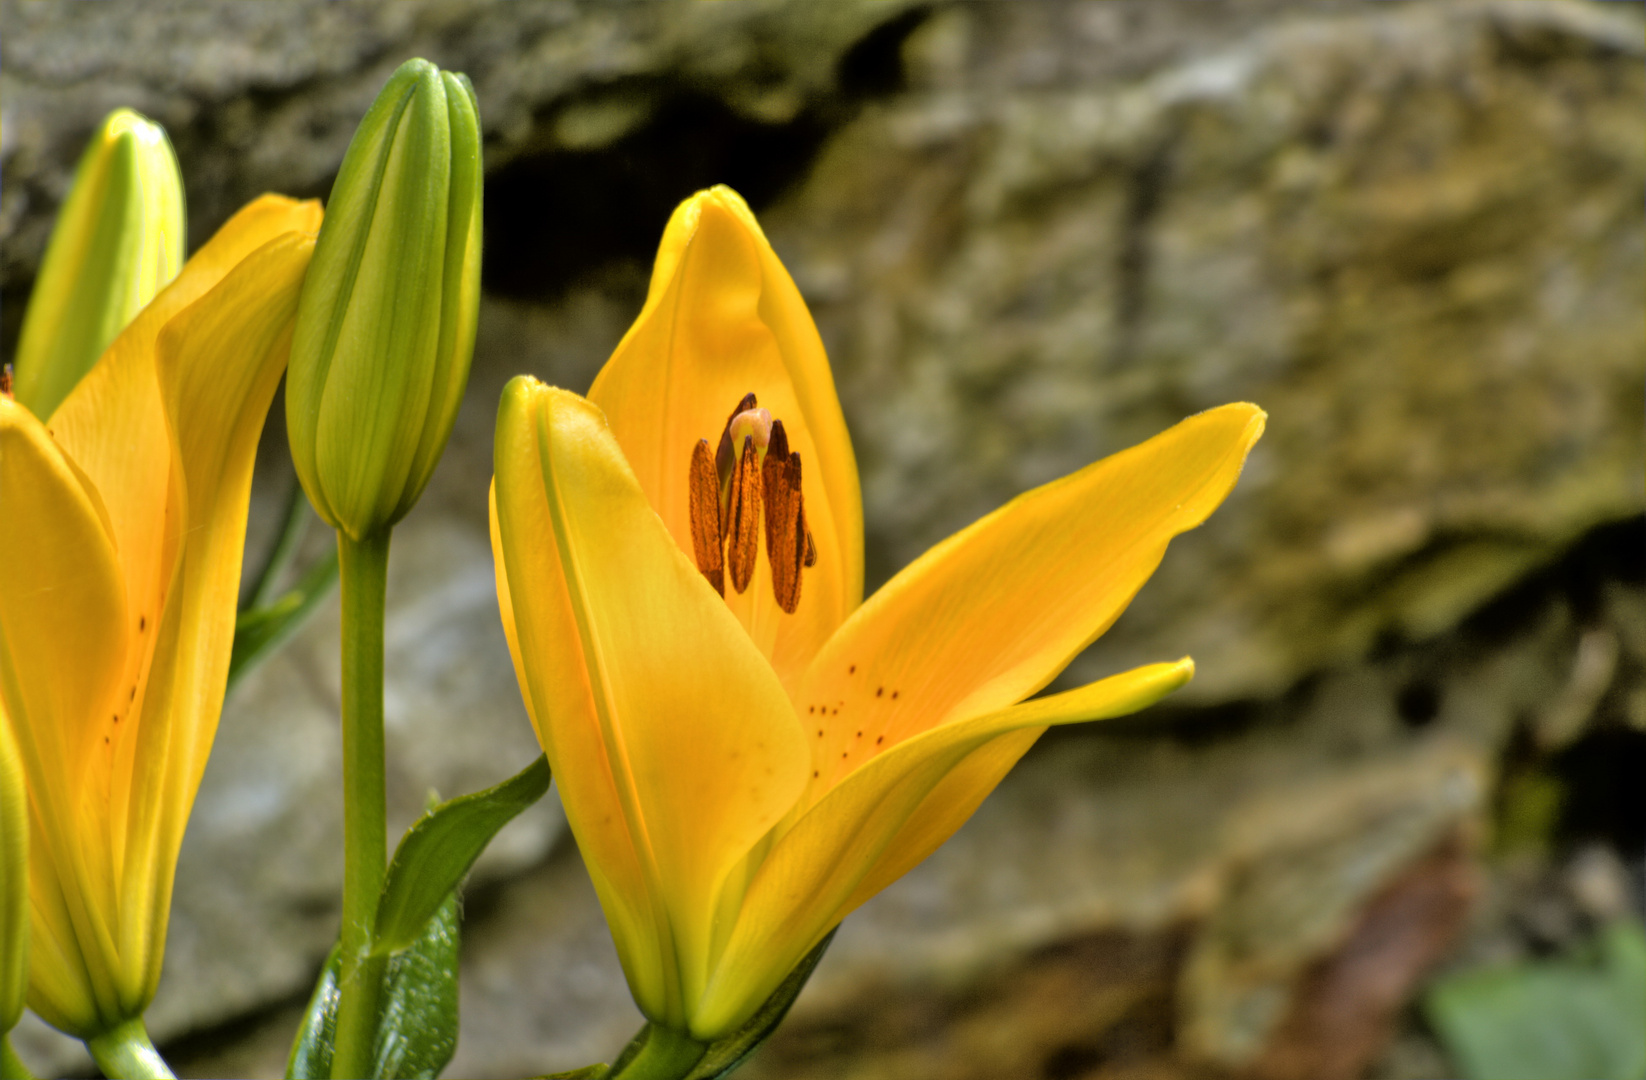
(119, 239)
(385, 326)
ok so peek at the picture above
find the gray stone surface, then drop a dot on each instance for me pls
(1031, 234)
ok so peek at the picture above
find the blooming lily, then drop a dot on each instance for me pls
(125, 516)
(745, 753)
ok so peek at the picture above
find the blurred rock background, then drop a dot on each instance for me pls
(1031, 234)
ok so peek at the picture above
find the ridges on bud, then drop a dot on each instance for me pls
(385, 327)
(119, 239)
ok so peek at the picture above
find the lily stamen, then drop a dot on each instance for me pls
(753, 476)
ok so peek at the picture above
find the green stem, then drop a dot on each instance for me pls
(11, 1066)
(125, 1053)
(364, 567)
(658, 1053)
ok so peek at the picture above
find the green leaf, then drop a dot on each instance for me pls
(587, 1072)
(311, 1050)
(437, 852)
(417, 1029)
(417, 1019)
(260, 631)
(1582, 1017)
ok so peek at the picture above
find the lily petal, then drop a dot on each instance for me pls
(218, 363)
(113, 423)
(62, 619)
(993, 613)
(723, 319)
(884, 817)
(672, 740)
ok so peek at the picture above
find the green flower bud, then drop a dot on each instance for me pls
(118, 240)
(385, 327)
(14, 881)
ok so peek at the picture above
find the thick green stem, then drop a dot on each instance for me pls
(658, 1053)
(125, 1053)
(364, 565)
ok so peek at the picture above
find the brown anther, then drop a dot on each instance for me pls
(708, 544)
(742, 529)
(752, 475)
(784, 540)
(5, 381)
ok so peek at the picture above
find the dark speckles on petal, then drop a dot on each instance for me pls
(879, 690)
(815, 774)
(894, 695)
(878, 739)
(142, 623)
(819, 733)
(852, 670)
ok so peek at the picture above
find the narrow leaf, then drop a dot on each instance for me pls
(417, 1021)
(437, 852)
(260, 631)
(417, 1027)
(294, 523)
(311, 1050)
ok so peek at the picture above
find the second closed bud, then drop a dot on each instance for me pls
(385, 327)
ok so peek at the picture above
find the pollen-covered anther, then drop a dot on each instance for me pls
(742, 529)
(786, 537)
(752, 476)
(708, 543)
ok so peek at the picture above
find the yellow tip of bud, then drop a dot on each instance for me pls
(119, 239)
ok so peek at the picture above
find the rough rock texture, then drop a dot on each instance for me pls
(1031, 234)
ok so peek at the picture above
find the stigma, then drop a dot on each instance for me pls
(751, 480)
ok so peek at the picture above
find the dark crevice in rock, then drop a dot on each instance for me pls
(1609, 553)
(556, 219)
(1604, 798)
(874, 66)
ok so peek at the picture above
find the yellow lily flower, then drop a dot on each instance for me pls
(125, 515)
(745, 754)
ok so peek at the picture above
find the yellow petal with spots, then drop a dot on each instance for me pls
(218, 364)
(672, 740)
(884, 817)
(993, 613)
(724, 319)
(158, 441)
